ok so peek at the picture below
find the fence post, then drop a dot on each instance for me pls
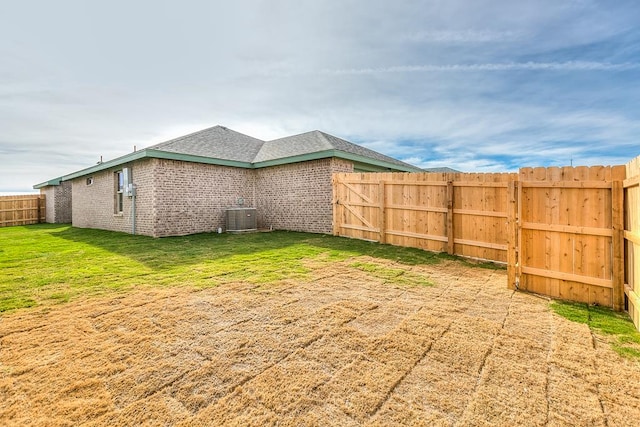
(450, 243)
(336, 214)
(512, 233)
(382, 223)
(617, 223)
(39, 211)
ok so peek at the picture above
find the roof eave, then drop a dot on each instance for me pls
(339, 154)
(137, 155)
(155, 154)
(295, 159)
(55, 181)
(159, 154)
(380, 163)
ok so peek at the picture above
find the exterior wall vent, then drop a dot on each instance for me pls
(241, 220)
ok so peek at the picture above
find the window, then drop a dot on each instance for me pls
(119, 192)
(90, 180)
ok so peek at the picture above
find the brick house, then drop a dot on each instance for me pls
(183, 186)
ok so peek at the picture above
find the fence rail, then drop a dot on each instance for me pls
(22, 210)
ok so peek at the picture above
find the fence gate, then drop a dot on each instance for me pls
(569, 234)
(357, 209)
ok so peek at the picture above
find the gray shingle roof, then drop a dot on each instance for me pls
(441, 170)
(219, 145)
(316, 141)
(217, 142)
(222, 143)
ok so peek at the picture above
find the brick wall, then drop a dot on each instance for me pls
(64, 201)
(143, 175)
(298, 196)
(173, 198)
(58, 203)
(50, 210)
(177, 198)
(94, 203)
(191, 197)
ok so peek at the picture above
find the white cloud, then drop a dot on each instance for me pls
(474, 85)
(464, 36)
(508, 66)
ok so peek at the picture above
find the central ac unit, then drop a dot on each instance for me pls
(241, 219)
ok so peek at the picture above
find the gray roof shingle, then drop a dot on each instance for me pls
(217, 142)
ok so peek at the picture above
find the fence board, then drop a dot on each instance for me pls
(512, 234)
(22, 210)
(617, 219)
(631, 190)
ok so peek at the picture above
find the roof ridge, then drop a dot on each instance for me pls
(179, 138)
(367, 150)
(325, 138)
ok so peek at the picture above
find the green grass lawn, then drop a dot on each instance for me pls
(46, 263)
(622, 334)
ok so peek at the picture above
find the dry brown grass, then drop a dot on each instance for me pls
(345, 348)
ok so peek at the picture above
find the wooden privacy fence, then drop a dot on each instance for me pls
(561, 231)
(22, 210)
(463, 214)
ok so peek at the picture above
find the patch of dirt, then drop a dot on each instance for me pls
(344, 348)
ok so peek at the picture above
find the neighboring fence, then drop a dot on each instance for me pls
(22, 210)
(632, 239)
(560, 230)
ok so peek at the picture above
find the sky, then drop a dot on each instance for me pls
(475, 85)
